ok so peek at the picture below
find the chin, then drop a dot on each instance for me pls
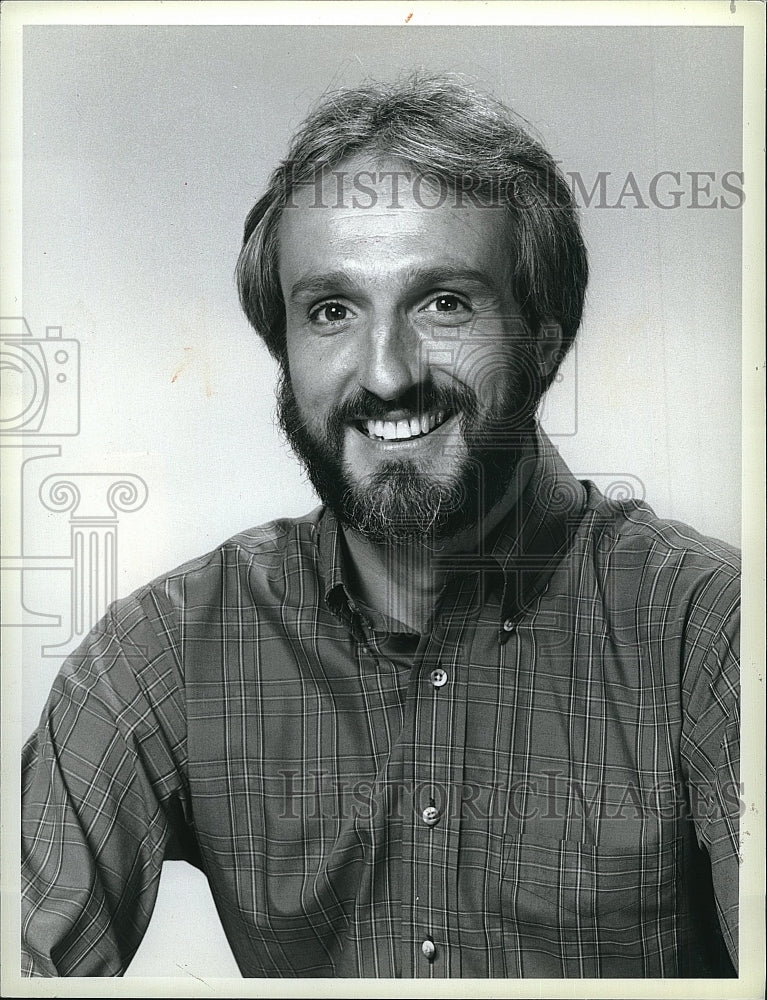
(399, 503)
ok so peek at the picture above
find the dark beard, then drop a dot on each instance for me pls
(400, 503)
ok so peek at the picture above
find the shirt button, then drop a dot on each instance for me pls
(508, 625)
(429, 949)
(438, 677)
(430, 815)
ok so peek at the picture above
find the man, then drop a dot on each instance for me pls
(468, 718)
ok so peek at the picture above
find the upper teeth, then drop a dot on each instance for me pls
(399, 430)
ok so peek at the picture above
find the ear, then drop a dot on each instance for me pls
(549, 347)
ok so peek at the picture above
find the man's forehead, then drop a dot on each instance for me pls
(370, 182)
(371, 207)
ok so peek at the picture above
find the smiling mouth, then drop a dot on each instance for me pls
(402, 430)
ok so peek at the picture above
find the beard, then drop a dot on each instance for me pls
(400, 503)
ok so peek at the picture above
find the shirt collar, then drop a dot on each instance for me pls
(331, 559)
(525, 548)
(536, 533)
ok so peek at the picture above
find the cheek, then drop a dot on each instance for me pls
(303, 389)
(489, 373)
(301, 364)
(503, 383)
(318, 384)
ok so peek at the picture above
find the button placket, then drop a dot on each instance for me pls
(431, 779)
(438, 774)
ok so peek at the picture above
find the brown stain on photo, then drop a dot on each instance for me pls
(189, 358)
(184, 365)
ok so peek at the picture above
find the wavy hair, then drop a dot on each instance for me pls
(440, 128)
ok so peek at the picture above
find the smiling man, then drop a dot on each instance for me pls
(410, 396)
(468, 718)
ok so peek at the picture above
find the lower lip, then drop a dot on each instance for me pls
(411, 442)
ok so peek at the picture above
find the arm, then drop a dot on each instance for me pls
(103, 790)
(712, 751)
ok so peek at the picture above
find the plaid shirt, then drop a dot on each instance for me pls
(543, 784)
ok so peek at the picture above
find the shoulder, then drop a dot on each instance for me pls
(626, 527)
(667, 571)
(265, 547)
(672, 575)
(248, 566)
(636, 521)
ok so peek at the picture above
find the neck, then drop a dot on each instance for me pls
(404, 581)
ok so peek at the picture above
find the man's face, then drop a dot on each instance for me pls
(409, 389)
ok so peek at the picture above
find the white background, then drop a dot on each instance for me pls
(144, 148)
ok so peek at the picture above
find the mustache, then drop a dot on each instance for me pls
(422, 398)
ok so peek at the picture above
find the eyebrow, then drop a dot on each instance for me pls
(319, 284)
(423, 278)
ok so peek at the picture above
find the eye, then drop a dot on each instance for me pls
(447, 302)
(328, 313)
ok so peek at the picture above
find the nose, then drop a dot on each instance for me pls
(391, 364)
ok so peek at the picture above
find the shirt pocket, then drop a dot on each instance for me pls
(579, 910)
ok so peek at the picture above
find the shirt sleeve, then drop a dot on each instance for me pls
(711, 748)
(103, 796)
